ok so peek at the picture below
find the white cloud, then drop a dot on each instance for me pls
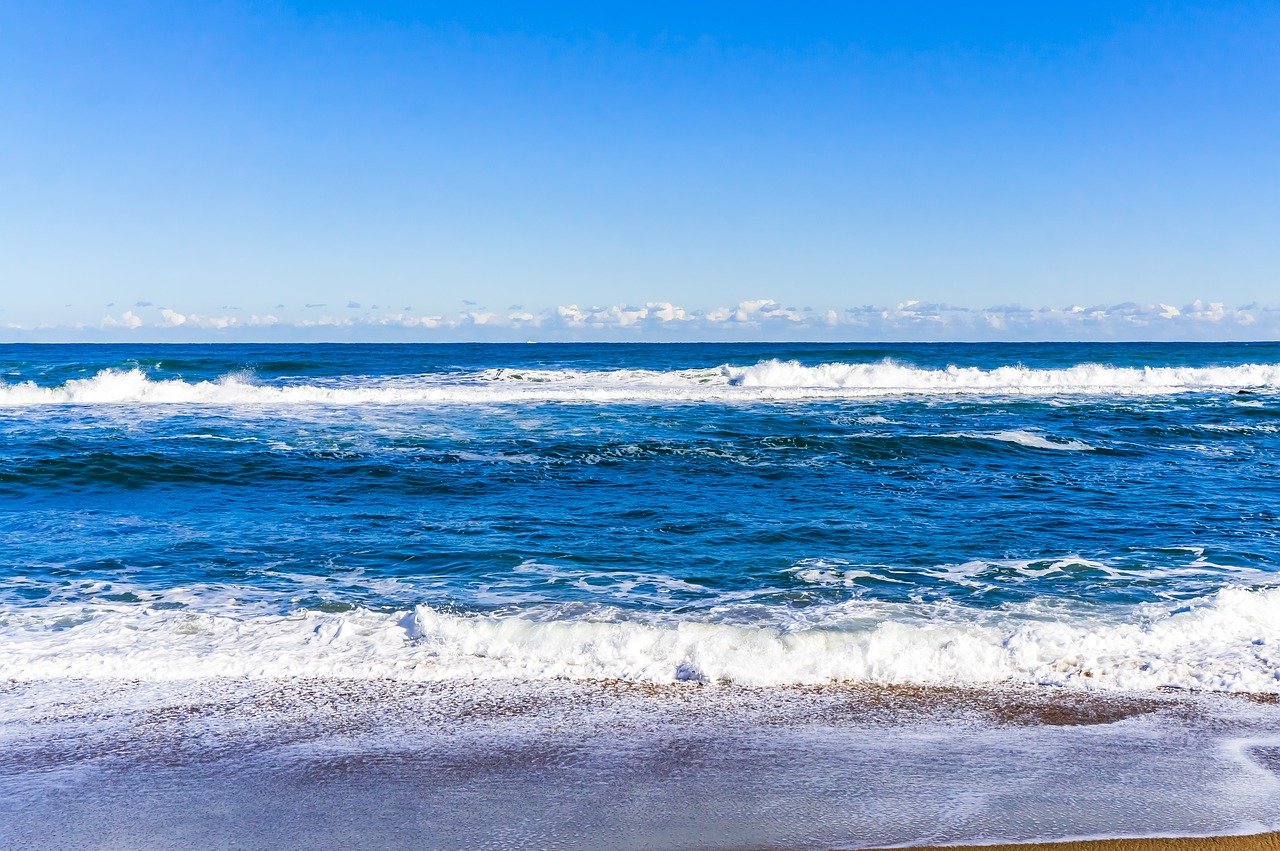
(665, 311)
(324, 322)
(128, 319)
(757, 318)
(216, 322)
(570, 315)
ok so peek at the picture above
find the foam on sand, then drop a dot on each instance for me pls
(1269, 841)
(306, 763)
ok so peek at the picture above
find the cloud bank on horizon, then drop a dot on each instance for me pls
(753, 319)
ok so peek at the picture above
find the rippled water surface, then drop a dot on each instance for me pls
(1097, 515)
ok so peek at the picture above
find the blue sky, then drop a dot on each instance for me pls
(740, 170)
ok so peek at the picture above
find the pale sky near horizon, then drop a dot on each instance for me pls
(517, 170)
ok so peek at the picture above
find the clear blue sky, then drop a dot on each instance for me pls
(228, 159)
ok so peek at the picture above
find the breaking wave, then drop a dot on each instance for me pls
(766, 381)
(1229, 641)
(892, 377)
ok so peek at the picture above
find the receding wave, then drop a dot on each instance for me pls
(766, 381)
(1229, 641)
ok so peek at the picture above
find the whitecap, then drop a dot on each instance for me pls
(1229, 641)
(766, 381)
(1029, 439)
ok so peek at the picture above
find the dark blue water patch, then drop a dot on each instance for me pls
(678, 507)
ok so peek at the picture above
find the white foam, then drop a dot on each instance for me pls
(888, 376)
(766, 381)
(1229, 641)
(1006, 574)
(1029, 439)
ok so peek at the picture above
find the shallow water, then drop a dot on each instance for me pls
(504, 764)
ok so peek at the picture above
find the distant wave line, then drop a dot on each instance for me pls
(770, 380)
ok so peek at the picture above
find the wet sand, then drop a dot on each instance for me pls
(1256, 842)
(307, 763)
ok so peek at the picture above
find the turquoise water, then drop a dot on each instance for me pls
(1093, 515)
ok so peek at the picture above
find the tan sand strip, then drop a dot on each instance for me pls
(1254, 842)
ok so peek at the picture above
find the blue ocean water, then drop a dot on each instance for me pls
(1099, 515)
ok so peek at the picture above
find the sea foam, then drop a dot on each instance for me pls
(765, 381)
(1229, 641)
(1028, 439)
(893, 377)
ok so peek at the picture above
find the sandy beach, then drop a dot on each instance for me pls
(1254, 842)
(640, 426)
(301, 763)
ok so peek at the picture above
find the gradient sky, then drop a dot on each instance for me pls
(229, 159)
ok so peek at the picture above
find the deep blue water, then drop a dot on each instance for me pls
(612, 482)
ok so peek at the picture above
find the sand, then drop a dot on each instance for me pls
(568, 764)
(1255, 842)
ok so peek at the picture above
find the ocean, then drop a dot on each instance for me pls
(744, 522)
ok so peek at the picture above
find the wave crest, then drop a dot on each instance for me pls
(889, 376)
(772, 380)
(1229, 641)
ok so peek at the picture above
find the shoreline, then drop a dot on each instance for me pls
(583, 765)
(1268, 841)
